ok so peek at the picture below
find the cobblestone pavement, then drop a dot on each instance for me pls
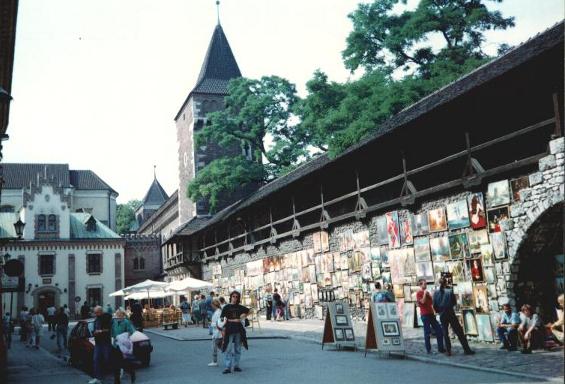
(539, 363)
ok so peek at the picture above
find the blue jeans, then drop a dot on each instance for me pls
(430, 321)
(101, 359)
(508, 336)
(62, 338)
(210, 314)
(233, 351)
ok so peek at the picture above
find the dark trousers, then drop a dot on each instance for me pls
(429, 323)
(118, 362)
(447, 319)
(102, 352)
(51, 323)
(269, 310)
(508, 336)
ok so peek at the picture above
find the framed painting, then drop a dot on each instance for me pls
(490, 275)
(339, 309)
(519, 184)
(386, 277)
(456, 268)
(484, 328)
(339, 336)
(498, 193)
(384, 257)
(390, 328)
(475, 268)
(408, 312)
(349, 336)
(487, 254)
(421, 226)
(457, 215)
(498, 241)
(375, 254)
(476, 239)
(439, 248)
(393, 230)
(398, 291)
(439, 268)
(341, 320)
(495, 217)
(422, 249)
(469, 322)
(458, 246)
(406, 223)
(477, 214)
(382, 234)
(424, 270)
(392, 310)
(437, 220)
(381, 310)
(367, 272)
(480, 297)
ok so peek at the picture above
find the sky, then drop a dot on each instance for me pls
(97, 83)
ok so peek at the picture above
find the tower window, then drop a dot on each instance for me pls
(52, 223)
(41, 223)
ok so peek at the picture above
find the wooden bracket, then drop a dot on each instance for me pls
(557, 131)
(472, 173)
(230, 245)
(361, 205)
(408, 191)
(324, 216)
(295, 223)
(273, 233)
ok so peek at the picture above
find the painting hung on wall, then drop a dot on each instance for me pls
(475, 267)
(317, 242)
(487, 254)
(346, 240)
(469, 322)
(375, 270)
(422, 249)
(408, 312)
(424, 270)
(375, 254)
(439, 268)
(480, 297)
(382, 234)
(484, 328)
(477, 214)
(409, 262)
(361, 239)
(498, 241)
(421, 226)
(405, 222)
(490, 275)
(384, 257)
(390, 328)
(367, 272)
(519, 184)
(437, 220)
(476, 239)
(396, 262)
(339, 336)
(458, 246)
(457, 215)
(457, 271)
(398, 291)
(385, 276)
(392, 229)
(498, 193)
(349, 336)
(381, 310)
(357, 259)
(439, 248)
(495, 217)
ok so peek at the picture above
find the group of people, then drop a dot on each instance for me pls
(276, 306)
(200, 310)
(512, 328)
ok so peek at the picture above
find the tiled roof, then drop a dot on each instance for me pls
(78, 228)
(20, 175)
(218, 68)
(156, 195)
(86, 179)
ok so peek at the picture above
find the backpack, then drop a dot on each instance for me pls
(381, 297)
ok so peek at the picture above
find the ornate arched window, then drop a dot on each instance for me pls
(41, 223)
(52, 223)
(135, 263)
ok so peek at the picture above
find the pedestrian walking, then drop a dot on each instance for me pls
(279, 305)
(62, 329)
(51, 311)
(444, 301)
(85, 311)
(37, 321)
(137, 316)
(381, 295)
(209, 311)
(109, 309)
(185, 309)
(427, 314)
(122, 353)
(196, 309)
(24, 320)
(7, 328)
(102, 344)
(269, 306)
(217, 328)
(233, 315)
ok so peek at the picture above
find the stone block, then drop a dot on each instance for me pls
(516, 210)
(547, 162)
(535, 179)
(559, 162)
(507, 225)
(557, 145)
(559, 155)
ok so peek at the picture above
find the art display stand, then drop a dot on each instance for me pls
(384, 331)
(338, 326)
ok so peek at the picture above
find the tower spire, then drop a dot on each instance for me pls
(218, 10)
(154, 172)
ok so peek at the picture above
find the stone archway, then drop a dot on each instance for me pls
(536, 263)
(45, 296)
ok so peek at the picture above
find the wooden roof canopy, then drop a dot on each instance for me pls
(501, 99)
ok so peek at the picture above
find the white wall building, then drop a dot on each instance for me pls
(69, 253)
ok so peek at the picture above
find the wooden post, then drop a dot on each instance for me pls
(556, 108)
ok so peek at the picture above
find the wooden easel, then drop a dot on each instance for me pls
(330, 327)
(370, 337)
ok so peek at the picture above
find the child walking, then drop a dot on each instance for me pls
(217, 326)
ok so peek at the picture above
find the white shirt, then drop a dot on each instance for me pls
(51, 311)
(217, 322)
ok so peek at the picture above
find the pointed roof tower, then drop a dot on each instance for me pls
(218, 68)
(156, 195)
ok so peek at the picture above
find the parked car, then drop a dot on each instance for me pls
(81, 345)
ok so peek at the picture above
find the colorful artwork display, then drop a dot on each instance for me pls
(437, 220)
(477, 213)
(457, 215)
(519, 184)
(406, 223)
(439, 248)
(458, 246)
(393, 230)
(421, 226)
(498, 193)
(495, 217)
(422, 249)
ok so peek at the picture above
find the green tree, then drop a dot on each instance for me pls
(125, 215)
(255, 111)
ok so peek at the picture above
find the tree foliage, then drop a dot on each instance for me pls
(125, 215)
(254, 110)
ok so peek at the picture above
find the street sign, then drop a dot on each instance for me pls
(12, 284)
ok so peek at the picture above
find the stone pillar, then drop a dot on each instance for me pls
(71, 285)
(20, 302)
(118, 276)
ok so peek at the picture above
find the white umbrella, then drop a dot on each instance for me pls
(117, 293)
(145, 286)
(187, 284)
(145, 295)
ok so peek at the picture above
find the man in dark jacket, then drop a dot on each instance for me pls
(62, 329)
(444, 301)
(85, 311)
(102, 344)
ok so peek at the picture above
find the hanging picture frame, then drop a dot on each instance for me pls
(477, 214)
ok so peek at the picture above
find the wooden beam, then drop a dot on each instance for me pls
(557, 116)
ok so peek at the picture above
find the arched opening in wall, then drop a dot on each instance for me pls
(45, 297)
(539, 261)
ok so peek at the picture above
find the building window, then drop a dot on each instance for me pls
(91, 224)
(41, 223)
(52, 223)
(94, 296)
(94, 263)
(139, 263)
(46, 264)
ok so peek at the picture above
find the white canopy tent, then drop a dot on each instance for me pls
(187, 284)
(146, 286)
(144, 295)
